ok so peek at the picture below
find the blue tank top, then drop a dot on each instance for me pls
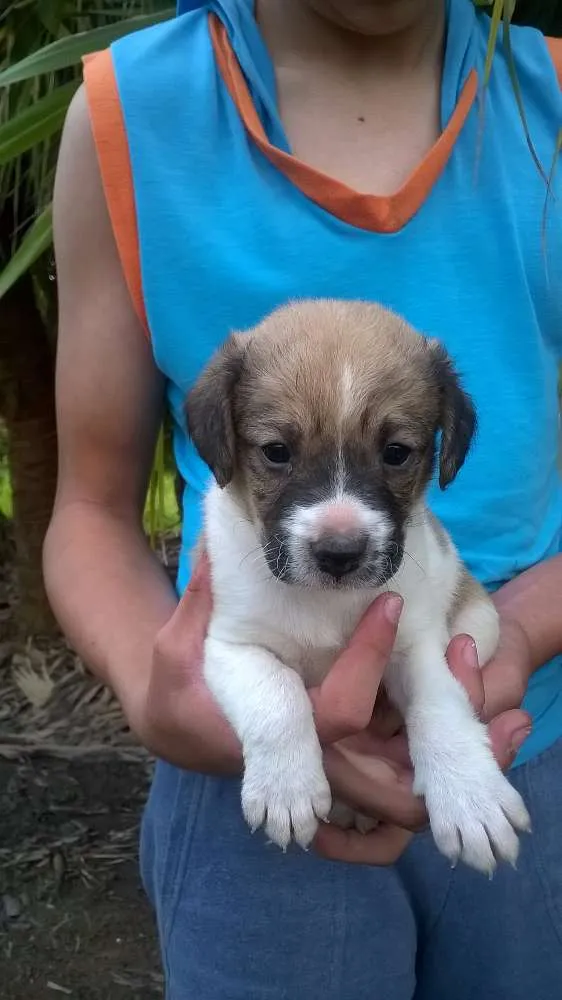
(224, 224)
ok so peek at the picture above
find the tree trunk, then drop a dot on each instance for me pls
(27, 405)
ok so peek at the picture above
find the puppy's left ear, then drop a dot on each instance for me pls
(209, 410)
(457, 416)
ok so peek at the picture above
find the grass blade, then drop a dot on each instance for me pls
(37, 239)
(494, 28)
(519, 97)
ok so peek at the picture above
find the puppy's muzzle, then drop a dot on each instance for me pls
(339, 554)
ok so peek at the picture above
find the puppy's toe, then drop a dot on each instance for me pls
(322, 800)
(476, 850)
(503, 838)
(253, 808)
(514, 808)
(304, 822)
(278, 825)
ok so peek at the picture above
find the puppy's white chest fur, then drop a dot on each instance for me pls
(304, 627)
(267, 637)
(307, 627)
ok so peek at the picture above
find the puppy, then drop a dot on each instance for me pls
(321, 428)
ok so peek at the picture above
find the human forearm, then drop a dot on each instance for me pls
(108, 591)
(534, 601)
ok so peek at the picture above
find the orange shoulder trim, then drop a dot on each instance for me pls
(554, 46)
(108, 129)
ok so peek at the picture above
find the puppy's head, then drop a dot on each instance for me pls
(324, 421)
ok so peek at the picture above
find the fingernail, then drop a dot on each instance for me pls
(393, 608)
(470, 654)
(519, 737)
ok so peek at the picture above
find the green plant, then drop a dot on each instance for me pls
(44, 42)
(41, 45)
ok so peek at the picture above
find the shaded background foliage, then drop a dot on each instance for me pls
(42, 42)
(41, 45)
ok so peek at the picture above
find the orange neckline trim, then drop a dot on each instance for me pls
(382, 214)
(554, 46)
(110, 138)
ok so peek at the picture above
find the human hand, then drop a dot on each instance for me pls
(177, 718)
(506, 676)
(371, 772)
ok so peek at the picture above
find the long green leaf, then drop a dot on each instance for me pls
(552, 172)
(68, 51)
(494, 28)
(512, 71)
(36, 124)
(37, 239)
(155, 502)
(51, 16)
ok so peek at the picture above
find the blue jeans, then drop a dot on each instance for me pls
(238, 920)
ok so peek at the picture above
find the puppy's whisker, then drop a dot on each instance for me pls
(250, 555)
(419, 565)
(257, 553)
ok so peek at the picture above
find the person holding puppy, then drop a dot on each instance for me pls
(212, 168)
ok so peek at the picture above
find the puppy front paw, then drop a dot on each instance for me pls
(474, 811)
(289, 793)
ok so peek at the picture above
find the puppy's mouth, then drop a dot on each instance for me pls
(331, 563)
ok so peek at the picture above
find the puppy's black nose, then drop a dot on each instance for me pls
(339, 554)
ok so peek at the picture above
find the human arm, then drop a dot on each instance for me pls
(530, 636)
(110, 594)
(106, 587)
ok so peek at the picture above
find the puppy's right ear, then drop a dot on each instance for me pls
(209, 410)
(457, 416)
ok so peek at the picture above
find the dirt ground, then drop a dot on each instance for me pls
(73, 917)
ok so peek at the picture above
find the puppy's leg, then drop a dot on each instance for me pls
(266, 703)
(479, 619)
(473, 809)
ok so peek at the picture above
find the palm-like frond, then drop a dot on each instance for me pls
(42, 42)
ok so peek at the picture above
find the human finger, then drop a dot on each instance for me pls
(344, 702)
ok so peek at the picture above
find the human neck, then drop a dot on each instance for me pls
(294, 31)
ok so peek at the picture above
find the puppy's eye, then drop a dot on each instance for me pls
(277, 453)
(396, 454)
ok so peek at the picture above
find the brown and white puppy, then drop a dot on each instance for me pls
(320, 427)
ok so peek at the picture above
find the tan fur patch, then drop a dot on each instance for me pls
(303, 358)
(334, 382)
(468, 591)
(324, 376)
